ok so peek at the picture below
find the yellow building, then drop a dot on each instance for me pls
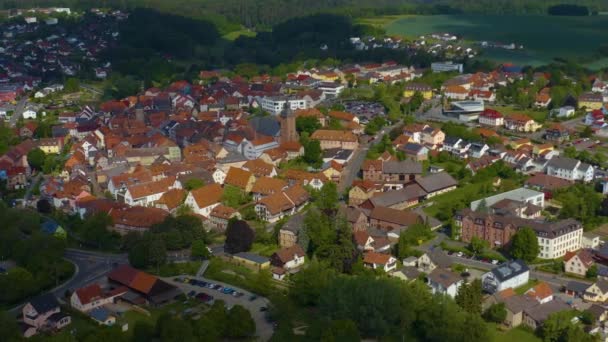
(591, 101)
(50, 145)
(253, 261)
(412, 88)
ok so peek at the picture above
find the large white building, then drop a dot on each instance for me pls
(570, 169)
(557, 238)
(276, 104)
(520, 195)
(508, 275)
(446, 66)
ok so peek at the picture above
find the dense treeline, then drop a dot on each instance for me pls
(38, 256)
(372, 307)
(266, 13)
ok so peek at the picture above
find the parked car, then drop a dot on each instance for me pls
(237, 294)
(210, 285)
(494, 262)
(218, 287)
(192, 293)
(459, 254)
(252, 298)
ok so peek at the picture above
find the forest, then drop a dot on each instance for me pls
(263, 14)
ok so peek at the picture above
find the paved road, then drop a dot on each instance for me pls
(30, 188)
(554, 280)
(354, 165)
(90, 266)
(19, 109)
(264, 329)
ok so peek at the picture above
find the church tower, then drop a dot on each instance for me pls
(288, 125)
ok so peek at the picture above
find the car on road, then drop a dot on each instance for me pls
(459, 254)
(192, 293)
(237, 294)
(494, 262)
(252, 298)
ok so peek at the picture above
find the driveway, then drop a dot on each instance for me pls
(19, 109)
(263, 329)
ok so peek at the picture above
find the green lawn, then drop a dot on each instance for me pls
(468, 191)
(235, 34)
(239, 276)
(174, 269)
(264, 249)
(516, 335)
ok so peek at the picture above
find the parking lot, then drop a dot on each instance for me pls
(208, 291)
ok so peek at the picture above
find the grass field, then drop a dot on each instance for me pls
(579, 37)
(235, 34)
(516, 335)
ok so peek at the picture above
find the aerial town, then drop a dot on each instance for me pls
(339, 201)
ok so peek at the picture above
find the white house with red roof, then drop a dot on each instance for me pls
(491, 117)
(92, 296)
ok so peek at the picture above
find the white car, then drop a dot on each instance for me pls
(459, 254)
(494, 262)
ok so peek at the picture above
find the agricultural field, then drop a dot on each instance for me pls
(579, 37)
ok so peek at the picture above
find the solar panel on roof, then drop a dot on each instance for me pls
(516, 267)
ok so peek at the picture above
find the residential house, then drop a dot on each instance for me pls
(406, 273)
(385, 262)
(289, 258)
(425, 90)
(220, 215)
(437, 184)
(50, 145)
(144, 288)
(251, 260)
(431, 260)
(521, 123)
(541, 292)
(290, 231)
(456, 92)
(546, 183)
(135, 219)
(557, 133)
(511, 274)
(171, 200)
(361, 191)
(366, 242)
(565, 112)
(259, 168)
(92, 296)
(492, 118)
(146, 194)
(456, 146)
(255, 148)
(578, 262)
(515, 307)
(598, 292)
(102, 317)
(591, 101)
(569, 169)
(432, 137)
(329, 139)
(417, 152)
(478, 150)
(240, 178)
(356, 218)
(535, 317)
(391, 173)
(44, 313)
(543, 98)
(392, 221)
(274, 207)
(314, 180)
(204, 199)
(266, 186)
(409, 195)
(444, 282)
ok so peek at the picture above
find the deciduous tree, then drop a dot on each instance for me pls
(524, 245)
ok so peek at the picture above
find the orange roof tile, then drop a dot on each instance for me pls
(238, 177)
(207, 195)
